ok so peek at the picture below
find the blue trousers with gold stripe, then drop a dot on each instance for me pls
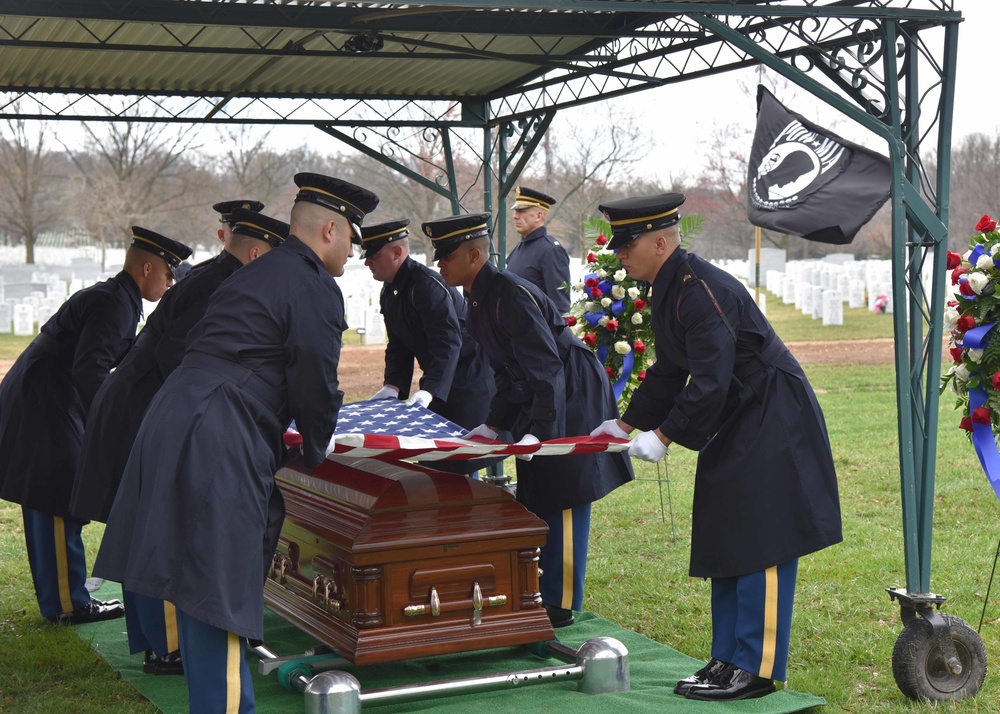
(151, 624)
(564, 558)
(58, 562)
(215, 668)
(752, 619)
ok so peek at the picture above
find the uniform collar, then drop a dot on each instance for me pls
(668, 270)
(535, 234)
(226, 258)
(131, 288)
(295, 244)
(481, 285)
(403, 274)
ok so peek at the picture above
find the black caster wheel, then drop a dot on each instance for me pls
(919, 666)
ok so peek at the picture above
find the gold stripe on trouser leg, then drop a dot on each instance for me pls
(770, 622)
(567, 560)
(170, 625)
(62, 564)
(234, 687)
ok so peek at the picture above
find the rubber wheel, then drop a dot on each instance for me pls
(919, 667)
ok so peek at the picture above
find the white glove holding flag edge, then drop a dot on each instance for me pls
(648, 447)
(482, 430)
(611, 428)
(421, 397)
(526, 440)
(386, 392)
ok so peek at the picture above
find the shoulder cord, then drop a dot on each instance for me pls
(687, 273)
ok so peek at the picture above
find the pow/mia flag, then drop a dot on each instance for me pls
(807, 181)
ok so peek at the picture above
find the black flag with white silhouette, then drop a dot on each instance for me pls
(807, 181)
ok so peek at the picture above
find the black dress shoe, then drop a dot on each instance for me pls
(93, 611)
(705, 675)
(559, 616)
(733, 683)
(169, 663)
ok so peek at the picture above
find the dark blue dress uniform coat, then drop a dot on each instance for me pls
(543, 262)
(765, 486)
(45, 397)
(425, 319)
(549, 384)
(122, 400)
(197, 515)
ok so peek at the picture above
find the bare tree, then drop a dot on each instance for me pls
(253, 169)
(26, 182)
(975, 185)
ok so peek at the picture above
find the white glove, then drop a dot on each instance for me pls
(420, 397)
(526, 440)
(648, 447)
(481, 430)
(386, 392)
(611, 428)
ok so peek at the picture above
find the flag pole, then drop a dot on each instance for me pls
(756, 294)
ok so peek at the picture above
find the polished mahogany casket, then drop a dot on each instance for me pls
(385, 560)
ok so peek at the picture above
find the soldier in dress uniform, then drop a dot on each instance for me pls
(765, 488)
(197, 515)
(122, 400)
(425, 320)
(539, 258)
(548, 385)
(226, 220)
(44, 401)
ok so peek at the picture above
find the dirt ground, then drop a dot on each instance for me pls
(360, 369)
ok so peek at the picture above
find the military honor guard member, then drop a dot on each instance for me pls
(226, 220)
(765, 490)
(121, 402)
(197, 515)
(44, 401)
(539, 258)
(424, 320)
(548, 385)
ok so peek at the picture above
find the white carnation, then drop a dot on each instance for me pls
(985, 262)
(994, 249)
(617, 292)
(978, 281)
(974, 355)
(637, 318)
(603, 321)
(602, 273)
(623, 348)
(620, 274)
(965, 255)
(606, 302)
(633, 293)
(961, 373)
(950, 318)
(589, 306)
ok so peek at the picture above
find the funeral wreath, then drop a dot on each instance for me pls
(612, 316)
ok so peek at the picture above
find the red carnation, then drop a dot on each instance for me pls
(952, 303)
(956, 354)
(570, 320)
(591, 282)
(640, 304)
(996, 380)
(965, 323)
(611, 372)
(612, 325)
(590, 339)
(954, 260)
(595, 292)
(981, 415)
(639, 347)
(986, 225)
(966, 289)
(601, 239)
(642, 374)
(958, 273)
(966, 424)
(591, 258)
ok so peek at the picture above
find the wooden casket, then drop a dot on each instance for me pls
(384, 560)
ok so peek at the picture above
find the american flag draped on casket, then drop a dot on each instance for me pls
(390, 429)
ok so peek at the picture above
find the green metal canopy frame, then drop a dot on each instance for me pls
(364, 72)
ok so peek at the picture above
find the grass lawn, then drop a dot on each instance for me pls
(845, 625)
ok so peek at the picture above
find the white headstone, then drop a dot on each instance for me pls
(833, 308)
(24, 319)
(817, 302)
(788, 290)
(75, 285)
(856, 293)
(44, 313)
(770, 259)
(6, 315)
(56, 289)
(374, 327)
(804, 298)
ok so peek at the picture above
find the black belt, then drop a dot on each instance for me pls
(774, 349)
(243, 377)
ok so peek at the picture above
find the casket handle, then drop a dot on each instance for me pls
(435, 607)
